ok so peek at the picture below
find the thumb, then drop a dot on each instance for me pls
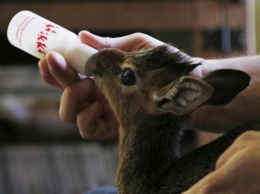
(94, 41)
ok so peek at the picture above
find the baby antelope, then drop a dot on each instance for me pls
(152, 96)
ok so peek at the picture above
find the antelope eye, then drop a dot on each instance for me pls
(128, 77)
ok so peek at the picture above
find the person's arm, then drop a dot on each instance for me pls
(243, 108)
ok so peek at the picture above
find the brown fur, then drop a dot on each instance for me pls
(151, 110)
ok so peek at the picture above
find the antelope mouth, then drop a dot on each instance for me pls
(91, 66)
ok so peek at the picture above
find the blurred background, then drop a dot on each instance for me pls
(41, 154)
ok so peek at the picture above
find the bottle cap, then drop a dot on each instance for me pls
(80, 57)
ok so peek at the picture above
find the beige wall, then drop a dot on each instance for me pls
(257, 25)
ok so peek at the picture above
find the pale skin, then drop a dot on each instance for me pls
(237, 170)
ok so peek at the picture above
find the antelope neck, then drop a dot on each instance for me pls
(147, 149)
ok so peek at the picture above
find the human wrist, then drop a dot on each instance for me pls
(206, 66)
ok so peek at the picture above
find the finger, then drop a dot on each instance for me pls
(46, 74)
(98, 120)
(92, 40)
(60, 70)
(222, 160)
(201, 187)
(130, 42)
(92, 125)
(88, 120)
(216, 182)
(240, 144)
(75, 98)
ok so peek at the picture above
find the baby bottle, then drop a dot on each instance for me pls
(37, 36)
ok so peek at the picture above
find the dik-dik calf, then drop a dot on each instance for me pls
(152, 96)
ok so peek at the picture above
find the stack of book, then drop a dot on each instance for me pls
(57, 168)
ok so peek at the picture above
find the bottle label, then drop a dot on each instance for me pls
(43, 36)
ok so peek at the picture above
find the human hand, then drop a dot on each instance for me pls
(82, 102)
(237, 169)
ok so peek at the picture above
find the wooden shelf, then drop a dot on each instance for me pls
(125, 15)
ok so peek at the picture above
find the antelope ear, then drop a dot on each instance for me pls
(227, 84)
(183, 95)
(188, 93)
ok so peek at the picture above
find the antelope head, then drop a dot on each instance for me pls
(157, 81)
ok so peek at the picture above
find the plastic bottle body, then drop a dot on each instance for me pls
(37, 36)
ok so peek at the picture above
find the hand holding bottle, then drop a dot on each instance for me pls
(82, 102)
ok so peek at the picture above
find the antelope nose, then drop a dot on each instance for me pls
(98, 62)
(91, 65)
